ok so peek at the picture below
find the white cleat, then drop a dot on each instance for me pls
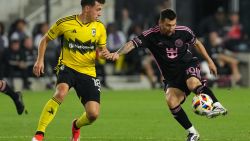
(216, 112)
(193, 137)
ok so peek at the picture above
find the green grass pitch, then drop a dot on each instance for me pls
(127, 115)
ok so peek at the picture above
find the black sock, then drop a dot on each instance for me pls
(204, 89)
(180, 115)
(75, 125)
(40, 133)
(8, 91)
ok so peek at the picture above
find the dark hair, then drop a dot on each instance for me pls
(167, 14)
(91, 2)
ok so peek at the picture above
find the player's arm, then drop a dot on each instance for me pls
(123, 50)
(55, 30)
(201, 49)
(38, 68)
(126, 48)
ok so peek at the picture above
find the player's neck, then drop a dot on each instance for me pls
(83, 18)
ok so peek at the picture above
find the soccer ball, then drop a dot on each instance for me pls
(202, 104)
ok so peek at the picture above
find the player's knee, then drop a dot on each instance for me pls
(192, 83)
(92, 115)
(59, 95)
(172, 100)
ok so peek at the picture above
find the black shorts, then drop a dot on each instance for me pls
(191, 69)
(88, 88)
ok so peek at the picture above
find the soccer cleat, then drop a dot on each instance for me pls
(75, 132)
(19, 104)
(37, 137)
(217, 110)
(193, 137)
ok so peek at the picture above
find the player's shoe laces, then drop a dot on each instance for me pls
(75, 132)
(19, 103)
(217, 110)
(193, 137)
(37, 137)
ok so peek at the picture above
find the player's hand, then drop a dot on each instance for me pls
(114, 56)
(38, 68)
(212, 68)
(105, 54)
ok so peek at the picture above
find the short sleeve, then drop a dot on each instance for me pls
(55, 31)
(141, 41)
(103, 36)
(191, 38)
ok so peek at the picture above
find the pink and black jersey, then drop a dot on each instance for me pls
(170, 52)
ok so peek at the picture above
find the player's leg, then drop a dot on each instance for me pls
(88, 90)
(15, 96)
(50, 110)
(88, 117)
(174, 98)
(66, 79)
(194, 84)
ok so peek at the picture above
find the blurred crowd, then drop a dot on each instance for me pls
(18, 51)
(222, 34)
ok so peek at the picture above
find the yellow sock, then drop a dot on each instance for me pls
(83, 121)
(48, 113)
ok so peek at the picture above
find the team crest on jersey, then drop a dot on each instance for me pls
(93, 32)
(178, 43)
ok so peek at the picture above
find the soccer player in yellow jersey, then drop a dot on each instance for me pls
(82, 36)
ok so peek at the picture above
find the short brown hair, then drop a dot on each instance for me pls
(91, 2)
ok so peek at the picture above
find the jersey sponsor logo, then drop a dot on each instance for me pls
(172, 52)
(93, 31)
(178, 43)
(77, 45)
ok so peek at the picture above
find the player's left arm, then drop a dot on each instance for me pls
(201, 49)
(126, 48)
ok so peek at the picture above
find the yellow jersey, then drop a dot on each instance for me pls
(78, 43)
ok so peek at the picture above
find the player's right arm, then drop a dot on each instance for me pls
(38, 68)
(55, 31)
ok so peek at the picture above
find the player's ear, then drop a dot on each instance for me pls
(86, 8)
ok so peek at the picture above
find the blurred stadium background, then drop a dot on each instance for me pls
(133, 101)
(27, 20)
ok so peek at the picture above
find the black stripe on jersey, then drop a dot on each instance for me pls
(99, 21)
(79, 22)
(50, 35)
(69, 18)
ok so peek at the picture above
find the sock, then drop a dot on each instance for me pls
(82, 121)
(180, 115)
(5, 88)
(48, 113)
(204, 89)
(192, 130)
(40, 133)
